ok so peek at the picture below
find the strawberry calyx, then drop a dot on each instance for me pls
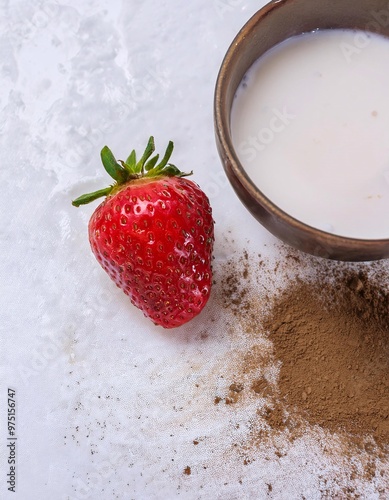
(123, 172)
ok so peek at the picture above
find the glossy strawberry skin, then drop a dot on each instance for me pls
(154, 238)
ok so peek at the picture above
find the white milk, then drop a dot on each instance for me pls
(310, 124)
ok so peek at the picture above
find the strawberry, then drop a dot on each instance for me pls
(153, 234)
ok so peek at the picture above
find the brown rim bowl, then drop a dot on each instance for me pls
(274, 23)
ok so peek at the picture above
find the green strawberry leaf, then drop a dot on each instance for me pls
(166, 157)
(112, 166)
(151, 163)
(150, 148)
(87, 198)
(131, 161)
(172, 171)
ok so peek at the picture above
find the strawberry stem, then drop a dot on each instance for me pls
(125, 172)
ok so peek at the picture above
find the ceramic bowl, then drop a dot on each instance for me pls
(276, 22)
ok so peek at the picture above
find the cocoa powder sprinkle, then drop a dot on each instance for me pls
(333, 341)
(326, 326)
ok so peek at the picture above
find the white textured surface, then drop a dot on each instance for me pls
(108, 404)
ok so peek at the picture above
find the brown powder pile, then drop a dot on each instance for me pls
(333, 340)
(329, 329)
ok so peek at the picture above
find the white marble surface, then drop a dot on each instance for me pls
(107, 404)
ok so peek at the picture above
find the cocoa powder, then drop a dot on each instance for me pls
(333, 340)
(328, 328)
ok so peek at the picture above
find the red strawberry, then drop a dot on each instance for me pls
(153, 235)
